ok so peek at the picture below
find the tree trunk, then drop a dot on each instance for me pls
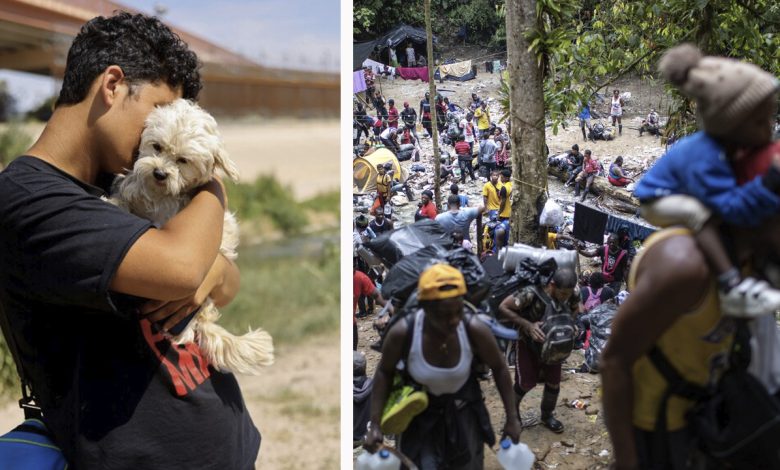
(526, 113)
(434, 125)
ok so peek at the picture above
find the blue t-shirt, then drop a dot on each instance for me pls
(697, 166)
(464, 200)
(585, 112)
(460, 220)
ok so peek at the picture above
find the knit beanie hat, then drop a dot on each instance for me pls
(726, 90)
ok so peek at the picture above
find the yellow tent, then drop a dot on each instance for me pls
(364, 170)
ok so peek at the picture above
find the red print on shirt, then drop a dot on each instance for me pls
(184, 363)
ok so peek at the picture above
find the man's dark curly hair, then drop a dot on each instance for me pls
(145, 49)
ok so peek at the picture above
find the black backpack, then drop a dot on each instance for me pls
(559, 331)
(737, 422)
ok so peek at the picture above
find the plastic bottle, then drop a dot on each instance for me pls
(514, 456)
(382, 460)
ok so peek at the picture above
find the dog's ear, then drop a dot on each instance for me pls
(223, 162)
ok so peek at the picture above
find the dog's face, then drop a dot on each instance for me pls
(180, 150)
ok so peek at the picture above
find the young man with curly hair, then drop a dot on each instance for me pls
(90, 291)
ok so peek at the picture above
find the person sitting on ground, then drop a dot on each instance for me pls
(456, 218)
(573, 164)
(422, 61)
(595, 293)
(590, 168)
(525, 309)
(465, 157)
(464, 200)
(445, 169)
(362, 386)
(387, 137)
(651, 125)
(437, 343)
(597, 326)
(459, 240)
(614, 261)
(616, 176)
(736, 102)
(362, 232)
(451, 107)
(380, 225)
(426, 207)
(487, 154)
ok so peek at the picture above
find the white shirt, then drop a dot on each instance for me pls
(438, 380)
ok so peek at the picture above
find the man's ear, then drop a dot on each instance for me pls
(112, 85)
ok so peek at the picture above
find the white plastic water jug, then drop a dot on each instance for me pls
(514, 456)
(382, 460)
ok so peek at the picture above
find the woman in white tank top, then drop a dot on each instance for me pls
(616, 110)
(436, 345)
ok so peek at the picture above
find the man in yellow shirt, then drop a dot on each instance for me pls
(504, 195)
(673, 307)
(490, 191)
(483, 118)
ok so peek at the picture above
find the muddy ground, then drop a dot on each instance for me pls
(585, 443)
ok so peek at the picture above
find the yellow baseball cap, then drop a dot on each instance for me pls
(440, 281)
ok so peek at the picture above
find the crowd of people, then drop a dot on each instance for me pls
(663, 326)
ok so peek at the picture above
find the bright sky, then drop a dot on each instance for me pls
(297, 34)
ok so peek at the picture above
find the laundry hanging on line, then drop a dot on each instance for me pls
(358, 81)
(413, 73)
(379, 67)
(457, 69)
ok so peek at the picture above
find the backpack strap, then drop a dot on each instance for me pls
(28, 401)
(676, 385)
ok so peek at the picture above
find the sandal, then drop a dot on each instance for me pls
(552, 424)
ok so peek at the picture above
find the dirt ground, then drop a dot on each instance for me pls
(303, 154)
(294, 399)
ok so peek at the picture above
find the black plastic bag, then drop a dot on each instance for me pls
(391, 246)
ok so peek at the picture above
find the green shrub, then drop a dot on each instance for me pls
(14, 141)
(324, 202)
(267, 197)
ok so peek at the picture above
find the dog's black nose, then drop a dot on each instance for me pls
(159, 175)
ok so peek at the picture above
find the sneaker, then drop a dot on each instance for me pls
(403, 405)
(552, 424)
(749, 299)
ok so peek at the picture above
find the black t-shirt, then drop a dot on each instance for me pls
(115, 393)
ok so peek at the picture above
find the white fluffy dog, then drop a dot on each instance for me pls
(180, 150)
